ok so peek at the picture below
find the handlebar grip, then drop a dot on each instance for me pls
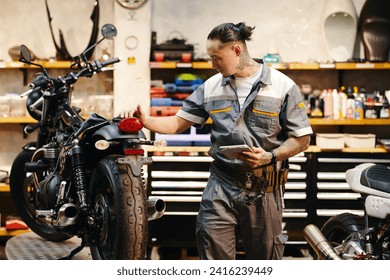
(110, 61)
(39, 80)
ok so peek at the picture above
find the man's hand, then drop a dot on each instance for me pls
(134, 112)
(256, 158)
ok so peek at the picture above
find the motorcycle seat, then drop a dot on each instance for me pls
(376, 177)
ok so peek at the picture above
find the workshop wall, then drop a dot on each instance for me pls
(292, 27)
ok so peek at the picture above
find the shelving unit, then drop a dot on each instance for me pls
(315, 190)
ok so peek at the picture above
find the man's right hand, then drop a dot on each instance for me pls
(134, 112)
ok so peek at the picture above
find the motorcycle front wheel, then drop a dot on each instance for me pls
(23, 192)
(118, 198)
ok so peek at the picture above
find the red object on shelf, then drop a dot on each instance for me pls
(15, 224)
(154, 90)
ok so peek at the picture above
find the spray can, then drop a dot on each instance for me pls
(359, 108)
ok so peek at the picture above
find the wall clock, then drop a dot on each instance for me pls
(131, 4)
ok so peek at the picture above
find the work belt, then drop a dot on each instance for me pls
(257, 182)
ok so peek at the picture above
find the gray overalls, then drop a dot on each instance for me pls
(272, 112)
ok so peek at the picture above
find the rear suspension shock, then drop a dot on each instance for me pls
(79, 177)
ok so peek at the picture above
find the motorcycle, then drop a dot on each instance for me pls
(352, 237)
(83, 177)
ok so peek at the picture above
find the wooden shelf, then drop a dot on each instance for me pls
(178, 149)
(4, 187)
(14, 232)
(362, 66)
(25, 119)
(46, 64)
(313, 121)
(280, 66)
(311, 149)
(319, 121)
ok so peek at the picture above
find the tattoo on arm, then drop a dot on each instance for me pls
(292, 146)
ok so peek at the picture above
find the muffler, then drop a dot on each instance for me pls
(318, 242)
(156, 208)
(67, 215)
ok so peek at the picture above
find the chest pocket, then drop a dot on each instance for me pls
(220, 111)
(264, 116)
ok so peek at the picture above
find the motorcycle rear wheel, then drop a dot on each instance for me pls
(339, 227)
(118, 198)
(23, 191)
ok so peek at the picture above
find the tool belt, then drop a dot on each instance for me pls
(257, 182)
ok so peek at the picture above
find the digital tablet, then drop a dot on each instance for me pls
(231, 151)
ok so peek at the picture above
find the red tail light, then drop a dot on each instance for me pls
(134, 152)
(130, 125)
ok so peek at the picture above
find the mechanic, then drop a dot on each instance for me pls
(248, 103)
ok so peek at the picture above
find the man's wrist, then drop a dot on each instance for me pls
(273, 157)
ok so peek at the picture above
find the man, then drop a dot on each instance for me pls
(248, 103)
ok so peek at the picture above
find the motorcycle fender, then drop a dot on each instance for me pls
(135, 163)
(111, 132)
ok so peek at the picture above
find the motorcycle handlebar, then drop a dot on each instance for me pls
(31, 90)
(40, 80)
(110, 61)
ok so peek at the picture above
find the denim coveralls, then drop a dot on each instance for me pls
(272, 112)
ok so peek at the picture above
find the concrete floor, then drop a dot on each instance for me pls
(177, 253)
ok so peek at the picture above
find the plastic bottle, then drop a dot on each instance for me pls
(328, 104)
(384, 113)
(343, 103)
(316, 112)
(359, 105)
(350, 104)
(336, 104)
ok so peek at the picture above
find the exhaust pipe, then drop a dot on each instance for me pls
(318, 242)
(156, 208)
(67, 215)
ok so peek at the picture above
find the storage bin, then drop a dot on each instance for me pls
(17, 106)
(330, 140)
(366, 141)
(5, 106)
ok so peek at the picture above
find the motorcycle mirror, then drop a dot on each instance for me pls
(25, 54)
(109, 31)
(25, 57)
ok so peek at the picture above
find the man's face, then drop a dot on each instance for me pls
(224, 59)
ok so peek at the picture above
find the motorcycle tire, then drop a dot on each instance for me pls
(118, 198)
(23, 193)
(339, 227)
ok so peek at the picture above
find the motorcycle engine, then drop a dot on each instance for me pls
(48, 191)
(386, 248)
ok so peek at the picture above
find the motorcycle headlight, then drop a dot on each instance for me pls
(31, 99)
